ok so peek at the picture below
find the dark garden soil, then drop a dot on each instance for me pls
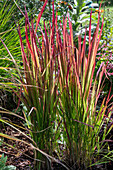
(19, 155)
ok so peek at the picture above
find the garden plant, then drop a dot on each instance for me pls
(3, 162)
(57, 85)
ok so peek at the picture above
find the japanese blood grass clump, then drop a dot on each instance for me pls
(79, 92)
(36, 87)
(37, 83)
(57, 86)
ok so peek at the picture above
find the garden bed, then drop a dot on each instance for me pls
(22, 156)
(65, 121)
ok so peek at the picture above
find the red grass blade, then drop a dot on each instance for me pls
(40, 14)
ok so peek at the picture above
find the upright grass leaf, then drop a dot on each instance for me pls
(40, 14)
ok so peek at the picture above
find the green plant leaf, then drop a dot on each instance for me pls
(3, 161)
(10, 167)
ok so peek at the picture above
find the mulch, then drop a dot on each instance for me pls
(18, 153)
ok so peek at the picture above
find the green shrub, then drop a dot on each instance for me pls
(3, 162)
